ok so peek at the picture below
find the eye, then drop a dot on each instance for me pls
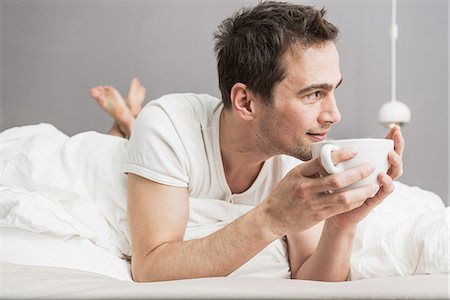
(314, 96)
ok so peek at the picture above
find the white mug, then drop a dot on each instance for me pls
(373, 151)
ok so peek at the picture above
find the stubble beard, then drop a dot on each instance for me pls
(268, 141)
(302, 151)
(271, 145)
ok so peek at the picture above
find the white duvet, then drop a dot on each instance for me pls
(63, 203)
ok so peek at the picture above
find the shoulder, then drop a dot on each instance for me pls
(167, 138)
(187, 107)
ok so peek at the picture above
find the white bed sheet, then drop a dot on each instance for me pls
(19, 282)
(33, 249)
(69, 193)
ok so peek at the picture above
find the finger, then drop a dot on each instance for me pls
(314, 166)
(343, 154)
(311, 168)
(350, 199)
(396, 168)
(387, 187)
(399, 142)
(396, 135)
(342, 179)
(391, 132)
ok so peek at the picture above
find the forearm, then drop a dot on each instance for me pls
(331, 259)
(218, 254)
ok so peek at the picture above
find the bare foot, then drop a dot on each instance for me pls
(136, 96)
(115, 130)
(112, 102)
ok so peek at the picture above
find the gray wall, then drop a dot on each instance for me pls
(52, 52)
(1, 66)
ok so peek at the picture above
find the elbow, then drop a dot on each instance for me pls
(146, 269)
(308, 271)
(320, 276)
(149, 267)
(140, 273)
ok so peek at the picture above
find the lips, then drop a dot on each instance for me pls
(317, 137)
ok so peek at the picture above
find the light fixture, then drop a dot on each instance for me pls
(394, 112)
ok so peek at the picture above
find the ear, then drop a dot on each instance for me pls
(242, 101)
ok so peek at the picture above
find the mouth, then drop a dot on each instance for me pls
(317, 136)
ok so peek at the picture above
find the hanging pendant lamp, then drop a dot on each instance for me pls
(394, 112)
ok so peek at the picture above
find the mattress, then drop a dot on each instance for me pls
(22, 281)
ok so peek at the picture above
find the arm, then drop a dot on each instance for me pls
(328, 259)
(158, 216)
(311, 258)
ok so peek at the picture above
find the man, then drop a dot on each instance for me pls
(278, 71)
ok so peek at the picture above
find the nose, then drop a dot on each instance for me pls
(330, 112)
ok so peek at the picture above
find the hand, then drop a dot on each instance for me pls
(303, 198)
(395, 157)
(350, 219)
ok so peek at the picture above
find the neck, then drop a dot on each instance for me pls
(241, 157)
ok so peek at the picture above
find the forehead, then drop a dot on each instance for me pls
(313, 65)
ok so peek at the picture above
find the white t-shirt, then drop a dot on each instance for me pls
(175, 141)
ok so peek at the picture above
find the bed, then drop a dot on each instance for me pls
(59, 283)
(64, 233)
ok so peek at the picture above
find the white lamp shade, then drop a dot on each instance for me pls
(394, 112)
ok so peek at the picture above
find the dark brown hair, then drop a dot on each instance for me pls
(250, 45)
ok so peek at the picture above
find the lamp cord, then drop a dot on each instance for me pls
(394, 36)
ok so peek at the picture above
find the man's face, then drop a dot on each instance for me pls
(304, 104)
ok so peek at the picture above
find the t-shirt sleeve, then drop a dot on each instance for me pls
(155, 150)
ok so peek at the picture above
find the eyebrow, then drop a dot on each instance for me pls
(320, 86)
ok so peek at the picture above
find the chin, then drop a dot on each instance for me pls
(305, 157)
(302, 152)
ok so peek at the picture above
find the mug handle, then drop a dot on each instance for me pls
(327, 163)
